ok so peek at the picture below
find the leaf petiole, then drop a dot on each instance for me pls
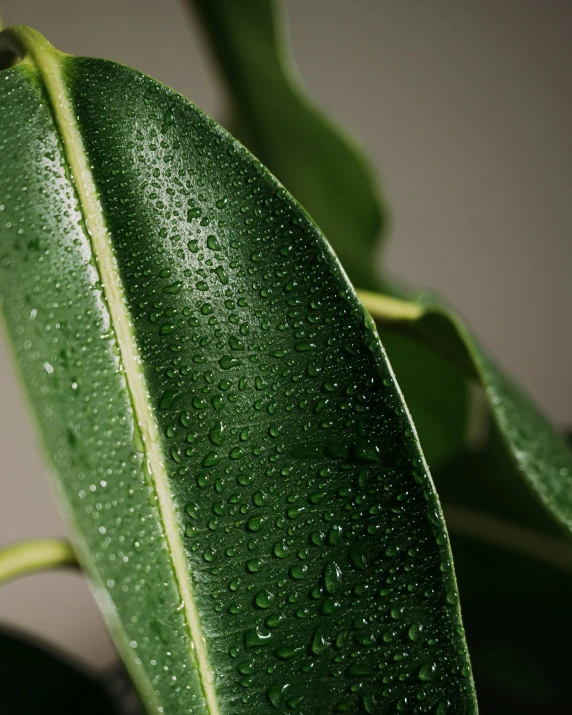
(27, 557)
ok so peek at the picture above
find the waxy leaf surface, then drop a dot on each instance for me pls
(242, 479)
(505, 481)
(329, 173)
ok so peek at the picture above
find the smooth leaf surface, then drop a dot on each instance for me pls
(322, 166)
(242, 479)
(35, 679)
(500, 482)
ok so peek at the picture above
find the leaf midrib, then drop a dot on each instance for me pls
(47, 61)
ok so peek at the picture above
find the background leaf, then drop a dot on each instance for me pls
(243, 483)
(35, 679)
(541, 460)
(273, 115)
(508, 509)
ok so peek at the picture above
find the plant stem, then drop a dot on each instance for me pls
(26, 557)
(512, 537)
(389, 308)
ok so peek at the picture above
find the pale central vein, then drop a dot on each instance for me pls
(50, 66)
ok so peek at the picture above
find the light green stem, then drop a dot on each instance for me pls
(389, 308)
(26, 557)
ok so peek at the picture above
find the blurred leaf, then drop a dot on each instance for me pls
(244, 486)
(36, 679)
(316, 160)
(515, 574)
(437, 395)
(541, 460)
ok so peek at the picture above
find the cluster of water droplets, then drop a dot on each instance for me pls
(55, 312)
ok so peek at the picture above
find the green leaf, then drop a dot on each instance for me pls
(508, 572)
(326, 170)
(437, 394)
(316, 160)
(541, 460)
(511, 554)
(242, 481)
(35, 679)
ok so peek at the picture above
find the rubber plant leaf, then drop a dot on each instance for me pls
(489, 508)
(37, 679)
(315, 159)
(328, 172)
(242, 481)
(508, 508)
(540, 458)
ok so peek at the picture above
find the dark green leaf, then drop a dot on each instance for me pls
(327, 172)
(506, 507)
(540, 459)
(437, 395)
(515, 574)
(35, 679)
(243, 483)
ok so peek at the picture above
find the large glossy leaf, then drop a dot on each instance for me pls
(243, 483)
(326, 170)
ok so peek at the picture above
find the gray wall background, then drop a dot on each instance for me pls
(465, 108)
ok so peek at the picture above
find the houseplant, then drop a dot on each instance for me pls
(157, 226)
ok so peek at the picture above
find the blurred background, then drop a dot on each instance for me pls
(465, 109)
